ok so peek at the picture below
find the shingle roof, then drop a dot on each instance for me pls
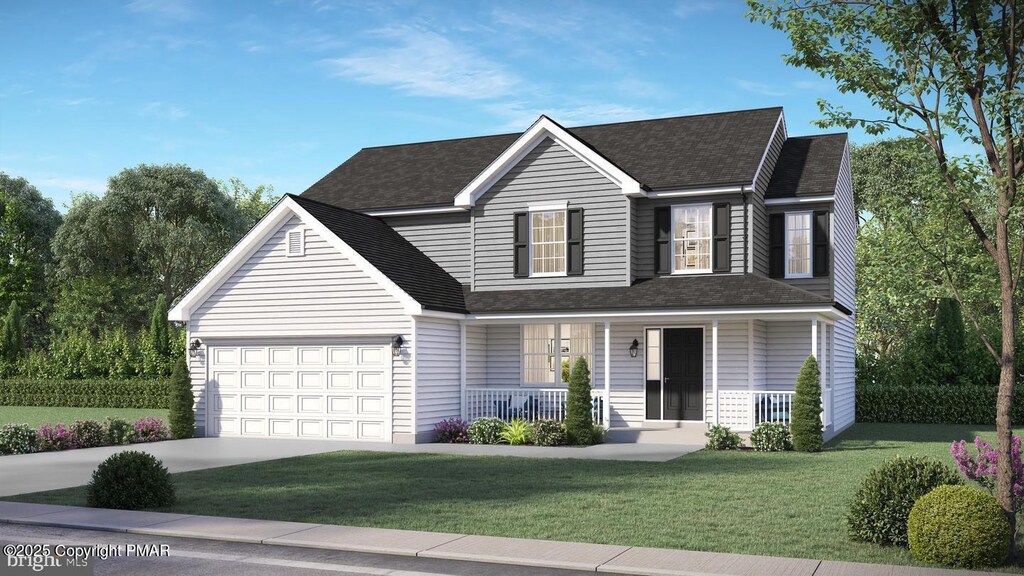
(688, 151)
(807, 166)
(663, 292)
(384, 248)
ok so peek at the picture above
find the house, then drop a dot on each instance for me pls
(695, 262)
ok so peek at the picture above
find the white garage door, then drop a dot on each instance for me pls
(334, 391)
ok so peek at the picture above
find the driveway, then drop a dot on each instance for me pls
(52, 470)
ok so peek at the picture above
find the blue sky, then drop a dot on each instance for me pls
(281, 92)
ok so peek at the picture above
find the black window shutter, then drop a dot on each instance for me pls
(521, 244)
(776, 245)
(574, 242)
(820, 258)
(663, 240)
(720, 253)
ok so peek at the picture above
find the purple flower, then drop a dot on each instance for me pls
(983, 466)
(452, 431)
(150, 429)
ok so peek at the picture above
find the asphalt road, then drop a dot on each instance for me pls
(184, 556)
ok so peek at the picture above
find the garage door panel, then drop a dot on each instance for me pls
(302, 391)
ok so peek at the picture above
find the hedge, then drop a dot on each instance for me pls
(932, 404)
(89, 393)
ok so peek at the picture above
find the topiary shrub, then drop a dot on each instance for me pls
(150, 429)
(18, 439)
(486, 431)
(130, 480)
(771, 437)
(806, 426)
(119, 431)
(548, 433)
(89, 433)
(579, 406)
(959, 526)
(180, 402)
(451, 431)
(879, 511)
(56, 437)
(722, 438)
(516, 433)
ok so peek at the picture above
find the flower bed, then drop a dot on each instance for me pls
(22, 439)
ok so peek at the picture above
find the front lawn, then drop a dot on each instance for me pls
(36, 416)
(780, 504)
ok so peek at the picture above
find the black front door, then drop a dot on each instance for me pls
(683, 372)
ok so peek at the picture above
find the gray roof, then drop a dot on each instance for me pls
(668, 153)
(726, 291)
(807, 166)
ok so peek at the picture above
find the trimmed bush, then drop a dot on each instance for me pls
(180, 402)
(486, 431)
(94, 393)
(150, 429)
(959, 526)
(451, 431)
(88, 433)
(516, 433)
(597, 435)
(53, 437)
(771, 437)
(806, 426)
(722, 438)
(579, 406)
(925, 404)
(130, 480)
(548, 433)
(18, 439)
(879, 511)
(119, 431)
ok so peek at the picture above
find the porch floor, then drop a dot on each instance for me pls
(608, 451)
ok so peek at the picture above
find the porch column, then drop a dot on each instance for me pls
(714, 369)
(462, 370)
(607, 404)
(823, 372)
(814, 338)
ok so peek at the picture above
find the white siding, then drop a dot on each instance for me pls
(550, 173)
(628, 384)
(760, 355)
(197, 374)
(476, 355)
(789, 345)
(844, 230)
(444, 238)
(438, 387)
(503, 356)
(732, 361)
(843, 412)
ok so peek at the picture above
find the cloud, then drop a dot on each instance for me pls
(759, 88)
(814, 85)
(424, 63)
(687, 8)
(177, 10)
(75, 183)
(518, 116)
(74, 102)
(163, 110)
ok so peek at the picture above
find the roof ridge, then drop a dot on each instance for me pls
(357, 213)
(826, 134)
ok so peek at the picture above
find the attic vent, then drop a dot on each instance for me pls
(296, 242)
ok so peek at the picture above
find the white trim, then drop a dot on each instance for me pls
(814, 338)
(415, 378)
(543, 128)
(698, 192)
(606, 402)
(440, 314)
(462, 370)
(786, 245)
(288, 243)
(710, 238)
(801, 200)
(753, 312)
(565, 240)
(714, 371)
(416, 211)
(550, 207)
(750, 354)
(661, 369)
(251, 242)
(764, 156)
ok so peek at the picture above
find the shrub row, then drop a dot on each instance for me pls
(516, 432)
(22, 439)
(92, 393)
(951, 404)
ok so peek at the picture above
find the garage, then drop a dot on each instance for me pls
(336, 390)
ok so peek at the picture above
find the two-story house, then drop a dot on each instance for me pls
(695, 262)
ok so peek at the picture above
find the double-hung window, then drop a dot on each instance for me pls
(550, 351)
(691, 239)
(547, 243)
(798, 244)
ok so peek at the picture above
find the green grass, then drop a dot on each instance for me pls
(37, 415)
(781, 504)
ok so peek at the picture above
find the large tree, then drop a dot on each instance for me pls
(252, 203)
(936, 70)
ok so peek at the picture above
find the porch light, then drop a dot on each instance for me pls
(193, 347)
(396, 345)
(634, 348)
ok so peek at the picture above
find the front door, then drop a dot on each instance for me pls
(683, 361)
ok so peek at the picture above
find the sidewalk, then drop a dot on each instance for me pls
(543, 553)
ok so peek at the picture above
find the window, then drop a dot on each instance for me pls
(798, 244)
(547, 359)
(691, 239)
(296, 242)
(653, 354)
(547, 243)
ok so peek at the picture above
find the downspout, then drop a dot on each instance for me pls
(746, 233)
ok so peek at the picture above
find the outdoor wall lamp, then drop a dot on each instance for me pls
(634, 348)
(193, 347)
(396, 346)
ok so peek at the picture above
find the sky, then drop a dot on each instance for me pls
(281, 92)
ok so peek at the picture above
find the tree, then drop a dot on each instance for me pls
(949, 340)
(806, 425)
(28, 222)
(12, 343)
(158, 327)
(252, 203)
(181, 412)
(932, 69)
(579, 417)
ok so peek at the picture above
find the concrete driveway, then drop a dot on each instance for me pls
(52, 470)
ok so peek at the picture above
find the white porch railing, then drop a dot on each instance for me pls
(745, 409)
(530, 404)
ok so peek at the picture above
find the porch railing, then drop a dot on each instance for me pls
(745, 409)
(530, 404)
